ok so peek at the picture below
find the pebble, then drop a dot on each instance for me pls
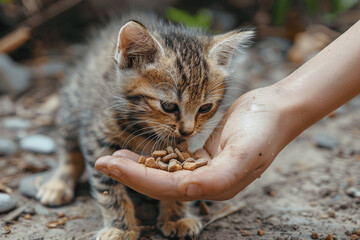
(41, 210)
(7, 202)
(353, 192)
(16, 123)
(7, 147)
(56, 233)
(38, 144)
(28, 185)
(324, 140)
(15, 78)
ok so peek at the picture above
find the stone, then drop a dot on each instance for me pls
(14, 78)
(16, 123)
(7, 202)
(41, 210)
(7, 147)
(324, 140)
(29, 185)
(38, 144)
(353, 192)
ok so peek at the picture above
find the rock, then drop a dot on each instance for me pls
(56, 233)
(353, 192)
(306, 45)
(38, 144)
(7, 147)
(14, 78)
(7, 202)
(29, 185)
(324, 140)
(41, 210)
(16, 123)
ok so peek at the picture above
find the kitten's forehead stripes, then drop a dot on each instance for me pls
(190, 63)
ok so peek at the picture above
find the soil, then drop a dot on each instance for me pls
(303, 192)
(302, 195)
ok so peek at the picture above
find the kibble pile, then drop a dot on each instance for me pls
(173, 160)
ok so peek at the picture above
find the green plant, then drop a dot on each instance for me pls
(282, 7)
(5, 1)
(201, 19)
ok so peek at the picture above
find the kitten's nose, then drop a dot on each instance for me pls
(186, 128)
(186, 132)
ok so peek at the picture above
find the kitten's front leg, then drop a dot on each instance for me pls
(117, 210)
(175, 220)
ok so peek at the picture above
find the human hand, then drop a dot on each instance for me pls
(252, 133)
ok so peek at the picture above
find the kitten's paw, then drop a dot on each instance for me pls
(116, 234)
(183, 227)
(55, 192)
(168, 228)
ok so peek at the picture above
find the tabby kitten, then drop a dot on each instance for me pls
(141, 86)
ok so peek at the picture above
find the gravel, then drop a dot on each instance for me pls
(14, 78)
(7, 147)
(38, 144)
(324, 140)
(16, 123)
(7, 202)
(27, 185)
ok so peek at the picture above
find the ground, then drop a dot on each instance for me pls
(303, 191)
(308, 190)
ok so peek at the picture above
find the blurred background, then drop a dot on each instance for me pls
(41, 39)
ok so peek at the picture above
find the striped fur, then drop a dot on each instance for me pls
(113, 101)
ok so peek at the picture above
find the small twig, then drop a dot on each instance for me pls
(224, 212)
(14, 214)
(14, 39)
(5, 188)
(19, 36)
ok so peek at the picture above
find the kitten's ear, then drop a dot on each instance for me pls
(135, 44)
(223, 46)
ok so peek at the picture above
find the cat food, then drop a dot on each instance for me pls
(173, 159)
(190, 166)
(151, 163)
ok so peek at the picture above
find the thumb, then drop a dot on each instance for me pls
(124, 153)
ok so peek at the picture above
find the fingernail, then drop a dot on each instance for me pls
(193, 190)
(117, 154)
(104, 171)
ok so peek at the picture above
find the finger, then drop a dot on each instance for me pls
(101, 164)
(124, 153)
(152, 182)
(221, 176)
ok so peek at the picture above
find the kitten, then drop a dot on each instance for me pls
(141, 86)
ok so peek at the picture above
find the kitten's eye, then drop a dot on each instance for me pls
(169, 107)
(205, 108)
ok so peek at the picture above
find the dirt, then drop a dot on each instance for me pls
(302, 193)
